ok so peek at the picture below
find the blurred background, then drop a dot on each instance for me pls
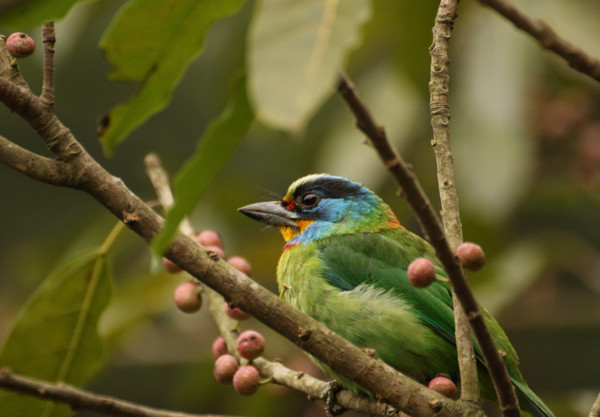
(526, 137)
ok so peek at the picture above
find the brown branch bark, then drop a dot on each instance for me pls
(86, 174)
(49, 40)
(432, 227)
(31, 164)
(81, 399)
(547, 38)
(440, 121)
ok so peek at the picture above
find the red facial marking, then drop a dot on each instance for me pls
(289, 245)
(289, 204)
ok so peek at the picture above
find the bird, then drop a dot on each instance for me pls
(345, 262)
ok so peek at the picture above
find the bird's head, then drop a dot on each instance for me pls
(322, 205)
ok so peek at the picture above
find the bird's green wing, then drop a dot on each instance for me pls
(382, 259)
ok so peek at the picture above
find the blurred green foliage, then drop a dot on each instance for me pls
(526, 137)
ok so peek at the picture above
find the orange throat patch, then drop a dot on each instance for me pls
(289, 233)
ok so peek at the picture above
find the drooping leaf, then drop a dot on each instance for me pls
(26, 14)
(154, 41)
(296, 49)
(55, 335)
(216, 146)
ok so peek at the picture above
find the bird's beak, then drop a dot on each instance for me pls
(271, 213)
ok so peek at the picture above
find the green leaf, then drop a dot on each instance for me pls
(55, 337)
(31, 13)
(154, 41)
(214, 149)
(296, 49)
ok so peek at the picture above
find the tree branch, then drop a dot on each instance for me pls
(81, 399)
(548, 39)
(402, 392)
(440, 122)
(49, 40)
(432, 227)
(31, 164)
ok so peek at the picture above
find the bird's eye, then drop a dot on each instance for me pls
(309, 200)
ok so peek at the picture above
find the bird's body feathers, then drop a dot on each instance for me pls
(345, 264)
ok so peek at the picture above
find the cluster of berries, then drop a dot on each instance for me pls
(188, 295)
(250, 344)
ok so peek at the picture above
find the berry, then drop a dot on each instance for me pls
(225, 367)
(471, 256)
(170, 267)
(444, 386)
(209, 238)
(187, 297)
(421, 272)
(240, 264)
(246, 380)
(219, 347)
(236, 313)
(20, 45)
(250, 344)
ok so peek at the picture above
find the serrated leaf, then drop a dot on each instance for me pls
(296, 49)
(54, 337)
(154, 41)
(26, 14)
(214, 149)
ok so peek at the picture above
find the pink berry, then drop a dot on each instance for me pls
(236, 313)
(240, 264)
(219, 347)
(246, 380)
(20, 45)
(187, 297)
(471, 256)
(209, 238)
(225, 367)
(170, 267)
(421, 272)
(444, 386)
(250, 344)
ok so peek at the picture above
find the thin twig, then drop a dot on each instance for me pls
(160, 181)
(228, 327)
(49, 40)
(432, 227)
(547, 38)
(440, 122)
(31, 164)
(82, 399)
